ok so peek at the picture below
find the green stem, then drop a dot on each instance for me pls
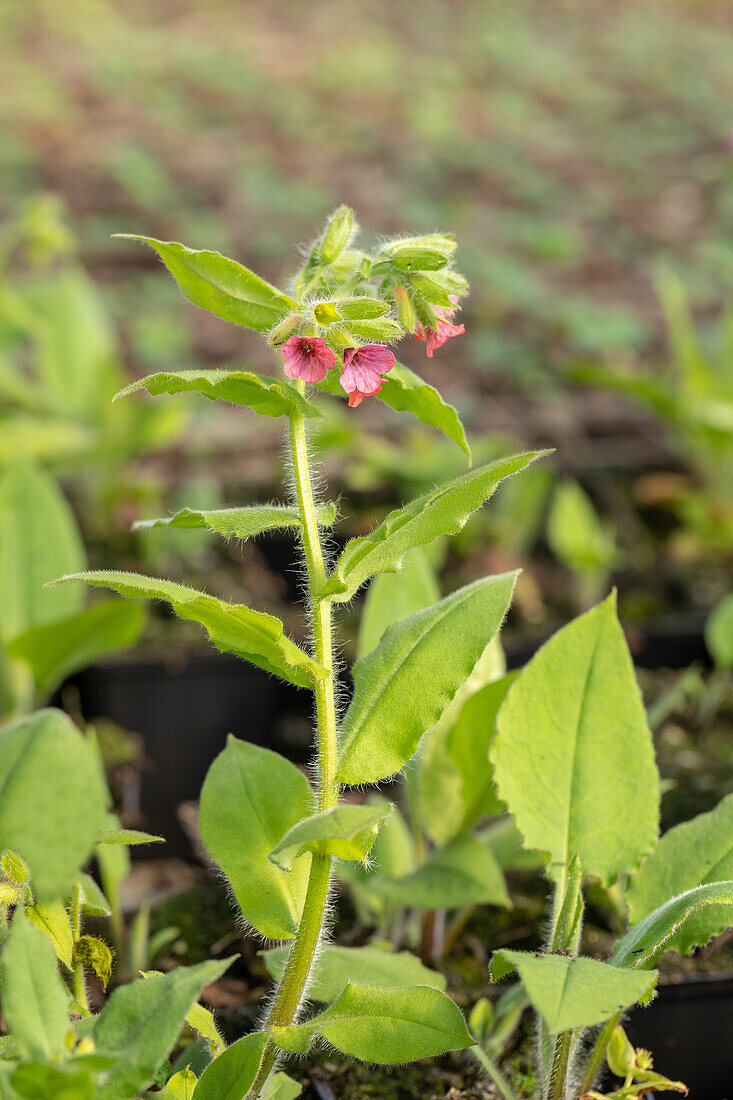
(80, 990)
(492, 1070)
(293, 983)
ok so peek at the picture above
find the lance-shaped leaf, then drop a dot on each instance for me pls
(569, 992)
(240, 523)
(232, 627)
(53, 920)
(267, 396)
(223, 286)
(405, 391)
(463, 872)
(680, 924)
(573, 756)
(35, 1004)
(181, 1086)
(383, 1025)
(52, 798)
(231, 1075)
(140, 1023)
(404, 685)
(55, 650)
(92, 900)
(130, 837)
(241, 822)
(279, 1086)
(346, 831)
(692, 854)
(443, 511)
(336, 966)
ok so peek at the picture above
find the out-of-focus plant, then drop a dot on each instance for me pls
(693, 397)
(53, 812)
(59, 361)
(580, 539)
(276, 837)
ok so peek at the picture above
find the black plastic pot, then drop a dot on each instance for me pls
(689, 1029)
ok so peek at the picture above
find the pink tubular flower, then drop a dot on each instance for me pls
(363, 368)
(435, 338)
(307, 357)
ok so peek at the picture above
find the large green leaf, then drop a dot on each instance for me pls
(214, 282)
(35, 1004)
(404, 685)
(140, 1023)
(405, 391)
(231, 1075)
(267, 396)
(680, 924)
(38, 541)
(52, 798)
(694, 853)
(570, 992)
(250, 798)
(232, 627)
(573, 757)
(336, 966)
(394, 596)
(345, 831)
(55, 650)
(240, 523)
(442, 511)
(463, 872)
(383, 1025)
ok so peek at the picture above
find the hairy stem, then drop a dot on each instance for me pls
(80, 989)
(293, 983)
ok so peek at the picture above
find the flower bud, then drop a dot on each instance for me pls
(337, 235)
(283, 330)
(405, 309)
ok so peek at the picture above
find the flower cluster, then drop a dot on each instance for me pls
(345, 301)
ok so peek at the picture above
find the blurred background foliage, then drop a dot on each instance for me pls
(581, 151)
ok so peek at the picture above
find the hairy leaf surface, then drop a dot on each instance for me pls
(336, 966)
(240, 523)
(266, 396)
(346, 831)
(680, 924)
(405, 391)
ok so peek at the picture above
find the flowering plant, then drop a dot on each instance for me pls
(275, 836)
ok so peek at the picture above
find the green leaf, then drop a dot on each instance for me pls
(93, 902)
(681, 924)
(280, 1087)
(405, 391)
(464, 872)
(403, 686)
(266, 396)
(571, 993)
(360, 308)
(418, 258)
(232, 627)
(39, 1081)
(35, 1003)
(694, 853)
(231, 1075)
(38, 541)
(130, 837)
(140, 1023)
(214, 282)
(576, 535)
(240, 523)
(336, 966)
(53, 920)
(383, 1025)
(241, 822)
(94, 954)
(201, 1019)
(181, 1086)
(55, 650)
(52, 798)
(442, 511)
(346, 832)
(719, 633)
(573, 757)
(394, 596)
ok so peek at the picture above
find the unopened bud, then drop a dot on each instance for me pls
(339, 232)
(405, 309)
(283, 330)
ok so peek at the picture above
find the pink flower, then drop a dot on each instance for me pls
(307, 357)
(435, 338)
(363, 368)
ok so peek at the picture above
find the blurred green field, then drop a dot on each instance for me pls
(572, 147)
